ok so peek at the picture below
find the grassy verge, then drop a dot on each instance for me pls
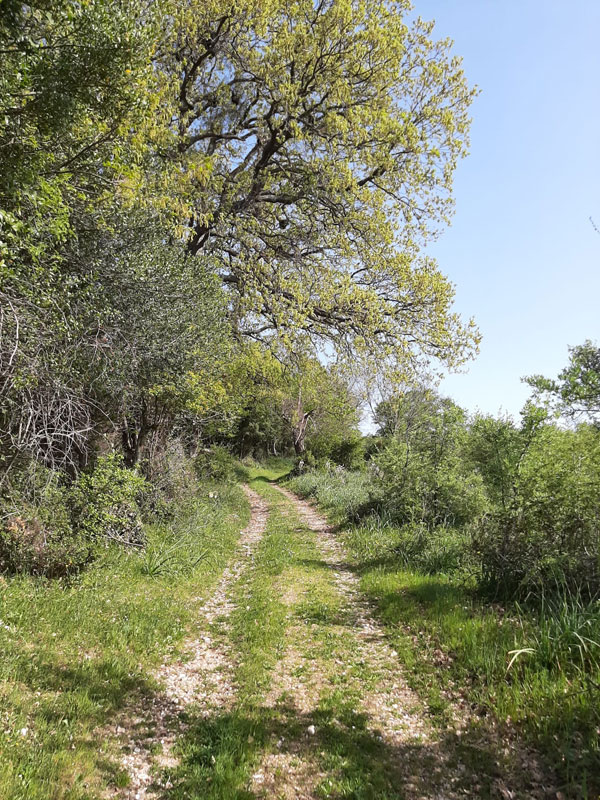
(72, 653)
(458, 648)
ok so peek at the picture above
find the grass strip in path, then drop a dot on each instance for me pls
(219, 752)
(322, 707)
(203, 676)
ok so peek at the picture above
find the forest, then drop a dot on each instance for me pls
(213, 229)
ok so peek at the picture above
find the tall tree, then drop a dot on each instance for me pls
(576, 391)
(319, 142)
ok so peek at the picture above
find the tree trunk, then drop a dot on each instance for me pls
(300, 433)
(134, 435)
(131, 441)
(299, 446)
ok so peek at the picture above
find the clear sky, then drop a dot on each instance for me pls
(521, 250)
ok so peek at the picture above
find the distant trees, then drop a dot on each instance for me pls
(293, 404)
(576, 391)
(526, 495)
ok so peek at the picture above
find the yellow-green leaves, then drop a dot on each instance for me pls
(332, 131)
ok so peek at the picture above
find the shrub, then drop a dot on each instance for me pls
(104, 503)
(549, 537)
(349, 452)
(218, 464)
(39, 537)
(418, 488)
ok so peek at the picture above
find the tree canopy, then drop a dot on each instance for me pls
(178, 178)
(319, 142)
(576, 391)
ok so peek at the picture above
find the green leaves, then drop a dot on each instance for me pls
(576, 391)
(332, 134)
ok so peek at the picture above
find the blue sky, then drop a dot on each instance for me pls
(521, 250)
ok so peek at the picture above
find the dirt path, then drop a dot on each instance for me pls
(367, 668)
(203, 677)
(327, 711)
(424, 762)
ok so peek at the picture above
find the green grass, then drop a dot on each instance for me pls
(288, 601)
(219, 753)
(341, 493)
(73, 653)
(274, 469)
(456, 645)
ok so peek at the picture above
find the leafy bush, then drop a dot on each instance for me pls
(549, 537)
(349, 452)
(104, 503)
(419, 488)
(38, 536)
(218, 464)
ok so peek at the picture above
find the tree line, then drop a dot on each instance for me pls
(201, 205)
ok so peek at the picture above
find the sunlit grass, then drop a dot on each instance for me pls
(454, 643)
(72, 653)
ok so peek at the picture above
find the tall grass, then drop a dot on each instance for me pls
(73, 652)
(344, 494)
(535, 664)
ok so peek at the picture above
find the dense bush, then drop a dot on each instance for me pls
(218, 464)
(349, 452)
(38, 537)
(421, 468)
(549, 535)
(104, 503)
(417, 490)
(53, 529)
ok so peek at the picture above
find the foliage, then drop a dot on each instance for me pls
(292, 401)
(79, 104)
(218, 464)
(549, 535)
(75, 653)
(39, 538)
(104, 503)
(53, 528)
(165, 341)
(346, 449)
(576, 391)
(422, 471)
(495, 448)
(345, 494)
(319, 143)
(515, 506)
